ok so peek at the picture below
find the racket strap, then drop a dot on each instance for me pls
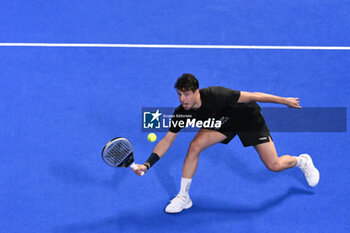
(133, 166)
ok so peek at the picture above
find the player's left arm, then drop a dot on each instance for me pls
(267, 98)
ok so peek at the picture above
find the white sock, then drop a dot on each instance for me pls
(185, 185)
(300, 162)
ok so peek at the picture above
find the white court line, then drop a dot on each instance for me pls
(173, 46)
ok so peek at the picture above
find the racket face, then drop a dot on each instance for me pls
(118, 152)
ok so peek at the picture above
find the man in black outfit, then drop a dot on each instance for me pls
(227, 113)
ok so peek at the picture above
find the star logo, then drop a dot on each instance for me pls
(155, 116)
(151, 119)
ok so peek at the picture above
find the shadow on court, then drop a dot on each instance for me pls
(241, 211)
(203, 212)
(166, 180)
(255, 172)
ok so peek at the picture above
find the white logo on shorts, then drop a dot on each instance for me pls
(263, 138)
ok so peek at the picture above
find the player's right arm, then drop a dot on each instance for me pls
(164, 144)
(160, 149)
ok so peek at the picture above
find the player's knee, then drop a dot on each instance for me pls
(274, 166)
(195, 148)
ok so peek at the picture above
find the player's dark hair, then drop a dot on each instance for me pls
(187, 82)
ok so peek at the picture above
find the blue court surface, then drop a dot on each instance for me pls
(60, 105)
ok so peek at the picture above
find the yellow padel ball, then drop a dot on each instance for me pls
(152, 137)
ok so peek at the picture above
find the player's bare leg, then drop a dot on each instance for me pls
(268, 155)
(203, 139)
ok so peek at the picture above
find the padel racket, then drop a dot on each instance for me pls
(118, 152)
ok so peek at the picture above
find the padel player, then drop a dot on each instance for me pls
(239, 114)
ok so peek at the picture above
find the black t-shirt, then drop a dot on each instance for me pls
(218, 104)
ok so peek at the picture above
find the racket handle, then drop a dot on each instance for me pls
(134, 167)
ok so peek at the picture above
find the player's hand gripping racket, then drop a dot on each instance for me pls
(118, 152)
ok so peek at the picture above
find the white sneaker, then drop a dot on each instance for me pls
(311, 173)
(179, 203)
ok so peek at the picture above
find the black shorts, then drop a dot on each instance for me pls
(252, 131)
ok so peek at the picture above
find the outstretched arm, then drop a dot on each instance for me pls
(160, 149)
(163, 145)
(267, 98)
